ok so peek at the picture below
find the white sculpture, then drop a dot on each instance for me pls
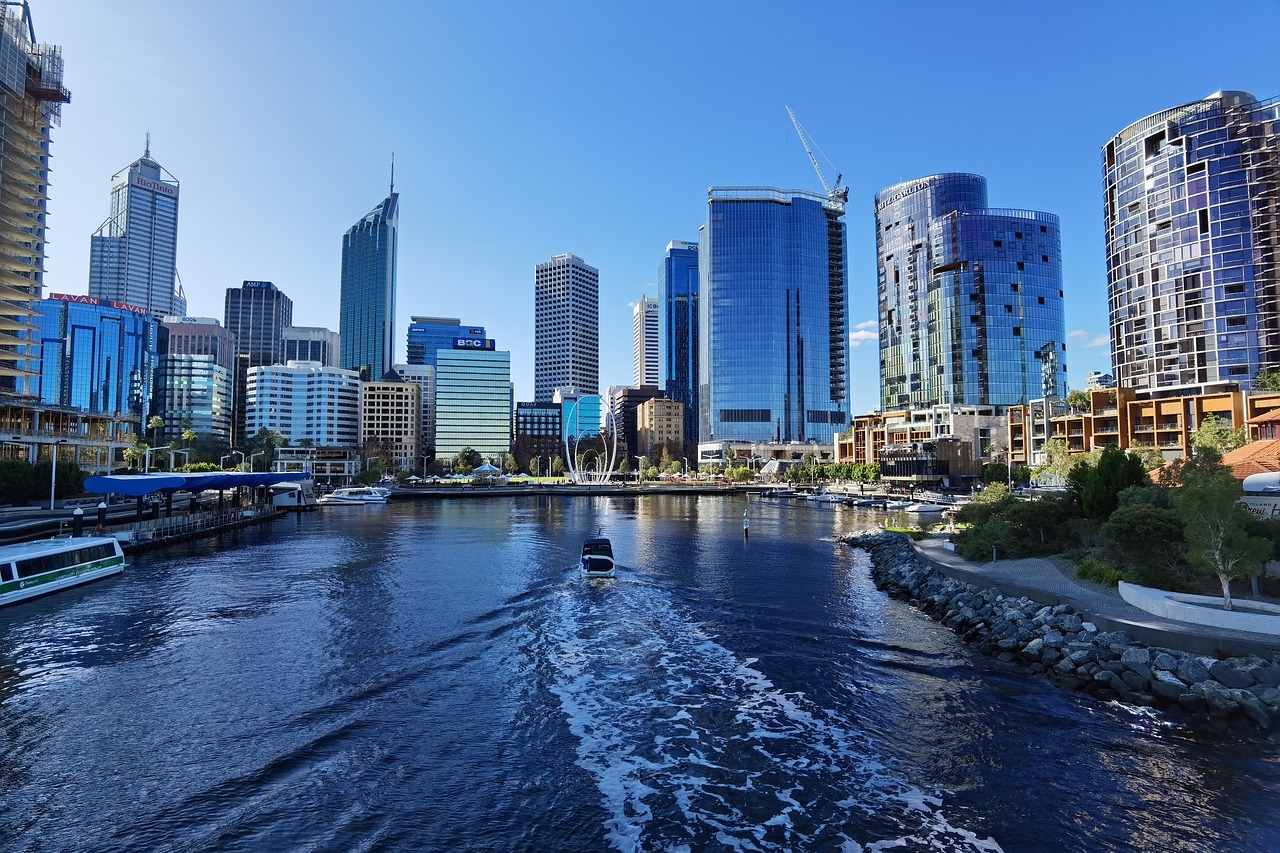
(600, 467)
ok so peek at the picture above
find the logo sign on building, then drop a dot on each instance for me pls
(125, 306)
(75, 297)
(259, 285)
(473, 343)
(154, 186)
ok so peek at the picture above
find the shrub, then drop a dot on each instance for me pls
(1148, 540)
(1151, 495)
(1100, 571)
(1096, 487)
(976, 544)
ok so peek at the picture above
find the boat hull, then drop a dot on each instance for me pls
(597, 567)
(71, 578)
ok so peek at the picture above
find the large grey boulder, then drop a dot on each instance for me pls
(1054, 640)
(1252, 707)
(1265, 674)
(1192, 670)
(1135, 656)
(1033, 648)
(1229, 676)
(1166, 685)
(1067, 622)
(1134, 681)
(1165, 661)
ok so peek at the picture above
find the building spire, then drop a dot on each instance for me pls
(146, 154)
(393, 173)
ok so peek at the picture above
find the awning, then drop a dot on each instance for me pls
(137, 485)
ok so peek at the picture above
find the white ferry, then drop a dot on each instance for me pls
(353, 495)
(48, 565)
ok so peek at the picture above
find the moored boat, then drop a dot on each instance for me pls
(925, 508)
(597, 557)
(48, 565)
(353, 496)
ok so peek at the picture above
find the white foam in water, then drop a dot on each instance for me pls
(689, 745)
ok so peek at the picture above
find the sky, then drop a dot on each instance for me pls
(524, 130)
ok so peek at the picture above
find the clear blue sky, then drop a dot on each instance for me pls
(523, 130)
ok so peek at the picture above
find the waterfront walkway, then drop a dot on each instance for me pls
(1047, 581)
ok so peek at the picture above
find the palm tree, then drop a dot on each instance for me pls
(155, 424)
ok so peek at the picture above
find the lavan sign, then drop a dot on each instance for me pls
(473, 343)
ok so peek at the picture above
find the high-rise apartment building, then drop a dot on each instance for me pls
(970, 298)
(425, 376)
(305, 401)
(429, 334)
(473, 402)
(659, 426)
(772, 327)
(1192, 228)
(309, 343)
(644, 342)
(32, 95)
(257, 313)
(566, 326)
(391, 419)
(195, 379)
(133, 255)
(367, 311)
(679, 276)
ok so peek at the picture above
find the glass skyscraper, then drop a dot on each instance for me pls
(256, 313)
(970, 297)
(368, 299)
(772, 327)
(473, 403)
(679, 277)
(133, 255)
(194, 385)
(1192, 226)
(428, 334)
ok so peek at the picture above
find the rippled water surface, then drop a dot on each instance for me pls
(437, 675)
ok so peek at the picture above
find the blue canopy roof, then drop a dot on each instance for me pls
(136, 485)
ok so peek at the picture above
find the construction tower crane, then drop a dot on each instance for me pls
(837, 193)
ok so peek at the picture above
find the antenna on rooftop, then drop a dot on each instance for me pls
(147, 151)
(393, 173)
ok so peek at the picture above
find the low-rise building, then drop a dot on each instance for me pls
(980, 430)
(538, 432)
(737, 453)
(659, 424)
(304, 401)
(391, 419)
(328, 466)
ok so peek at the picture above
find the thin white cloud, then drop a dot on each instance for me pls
(858, 337)
(866, 324)
(1089, 340)
(1078, 333)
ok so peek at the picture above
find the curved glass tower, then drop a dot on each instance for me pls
(1192, 226)
(368, 295)
(970, 297)
(772, 329)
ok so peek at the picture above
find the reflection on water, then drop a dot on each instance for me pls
(438, 675)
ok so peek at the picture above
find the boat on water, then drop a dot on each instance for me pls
(926, 508)
(597, 557)
(897, 504)
(354, 495)
(48, 565)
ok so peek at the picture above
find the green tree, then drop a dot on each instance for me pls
(1078, 400)
(509, 464)
(1145, 537)
(995, 472)
(188, 435)
(1267, 380)
(155, 423)
(651, 473)
(1096, 487)
(557, 466)
(1216, 433)
(134, 453)
(1216, 526)
(1057, 461)
(467, 460)
(535, 465)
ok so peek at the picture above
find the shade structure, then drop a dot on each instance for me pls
(137, 485)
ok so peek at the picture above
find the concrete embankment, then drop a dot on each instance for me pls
(1066, 645)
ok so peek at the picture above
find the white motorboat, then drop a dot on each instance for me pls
(925, 508)
(597, 558)
(897, 504)
(354, 496)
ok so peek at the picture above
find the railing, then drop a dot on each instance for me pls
(192, 523)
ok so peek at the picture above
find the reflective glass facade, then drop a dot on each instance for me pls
(970, 297)
(368, 297)
(193, 391)
(473, 403)
(95, 356)
(679, 277)
(1192, 227)
(428, 334)
(772, 327)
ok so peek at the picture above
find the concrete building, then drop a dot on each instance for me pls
(756, 454)
(309, 343)
(133, 254)
(623, 403)
(256, 313)
(195, 380)
(331, 467)
(426, 335)
(679, 277)
(980, 431)
(566, 326)
(659, 424)
(644, 342)
(473, 402)
(304, 401)
(367, 311)
(391, 420)
(538, 433)
(1097, 379)
(425, 376)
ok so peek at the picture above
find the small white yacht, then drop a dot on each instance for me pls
(921, 508)
(597, 558)
(47, 565)
(354, 495)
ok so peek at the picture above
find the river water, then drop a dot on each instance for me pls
(438, 676)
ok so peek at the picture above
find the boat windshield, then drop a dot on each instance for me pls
(597, 548)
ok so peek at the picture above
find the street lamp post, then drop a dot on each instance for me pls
(53, 469)
(253, 456)
(223, 460)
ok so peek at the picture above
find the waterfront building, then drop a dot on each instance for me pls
(391, 420)
(425, 376)
(623, 403)
(368, 295)
(644, 342)
(331, 467)
(309, 343)
(757, 454)
(679, 276)
(133, 254)
(473, 402)
(1097, 379)
(538, 433)
(428, 334)
(566, 326)
(970, 298)
(957, 436)
(195, 379)
(772, 327)
(32, 95)
(1191, 228)
(257, 313)
(659, 425)
(304, 401)
(579, 412)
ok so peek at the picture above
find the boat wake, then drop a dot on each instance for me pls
(690, 746)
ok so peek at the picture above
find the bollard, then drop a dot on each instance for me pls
(102, 516)
(168, 504)
(77, 523)
(139, 513)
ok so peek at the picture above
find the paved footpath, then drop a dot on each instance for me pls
(1046, 580)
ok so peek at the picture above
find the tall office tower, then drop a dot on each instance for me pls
(566, 326)
(305, 401)
(644, 342)
(425, 376)
(473, 403)
(257, 313)
(309, 343)
(368, 298)
(32, 95)
(428, 334)
(970, 298)
(679, 276)
(195, 379)
(133, 255)
(1192, 227)
(772, 331)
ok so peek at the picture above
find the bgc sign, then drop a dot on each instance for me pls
(473, 343)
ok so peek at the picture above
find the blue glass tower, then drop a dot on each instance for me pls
(679, 276)
(772, 327)
(970, 298)
(427, 335)
(1192, 229)
(368, 297)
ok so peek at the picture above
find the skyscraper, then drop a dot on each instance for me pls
(566, 326)
(32, 96)
(133, 255)
(194, 385)
(679, 276)
(644, 342)
(257, 313)
(473, 403)
(772, 329)
(970, 298)
(368, 299)
(310, 343)
(1192, 227)
(429, 334)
